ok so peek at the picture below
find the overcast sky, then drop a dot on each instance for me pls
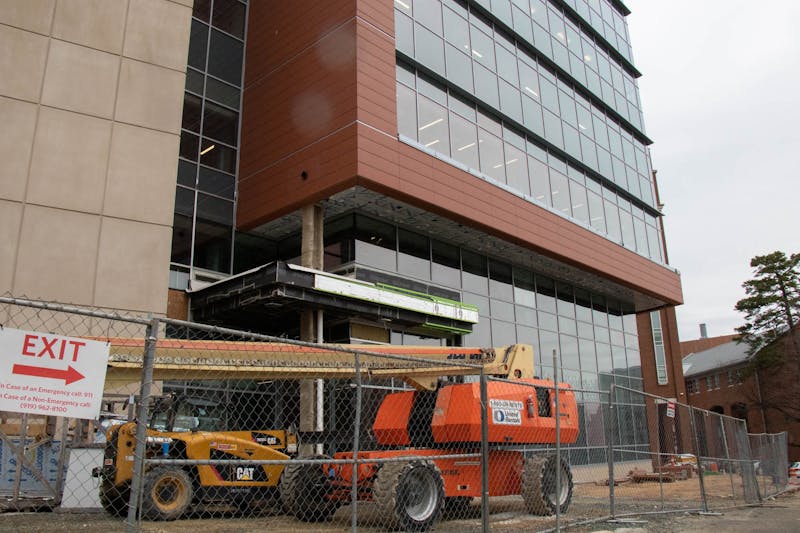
(720, 91)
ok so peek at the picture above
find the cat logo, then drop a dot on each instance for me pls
(244, 473)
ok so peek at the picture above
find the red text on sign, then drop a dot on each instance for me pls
(54, 348)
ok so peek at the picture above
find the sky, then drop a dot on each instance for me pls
(720, 91)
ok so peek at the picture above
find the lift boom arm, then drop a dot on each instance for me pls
(419, 366)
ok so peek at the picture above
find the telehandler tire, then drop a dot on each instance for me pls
(539, 485)
(115, 499)
(409, 495)
(304, 488)
(167, 493)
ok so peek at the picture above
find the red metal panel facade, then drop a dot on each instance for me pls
(333, 115)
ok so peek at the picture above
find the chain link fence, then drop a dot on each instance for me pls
(227, 429)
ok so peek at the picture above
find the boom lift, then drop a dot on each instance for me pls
(413, 477)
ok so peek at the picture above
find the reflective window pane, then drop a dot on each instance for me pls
(220, 123)
(433, 126)
(540, 181)
(464, 141)
(486, 86)
(215, 182)
(191, 112)
(580, 209)
(223, 93)
(507, 65)
(225, 60)
(429, 14)
(456, 30)
(202, 9)
(429, 48)
(559, 190)
(229, 16)
(404, 34)
(187, 173)
(218, 156)
(188, 146)
(491, 155)
(482, 48)
(406, 111)
(517, 169)
(198, 44)
(194, 81)
(459, 68)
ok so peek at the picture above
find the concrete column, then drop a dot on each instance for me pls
(312, 253)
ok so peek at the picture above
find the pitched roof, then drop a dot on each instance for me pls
(724, 355)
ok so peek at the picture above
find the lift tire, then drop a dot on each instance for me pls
(167, 493)
(305, 489)
(114, 499)
(409, 495)
(539, 485)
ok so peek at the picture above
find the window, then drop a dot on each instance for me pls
(225, 59)
(712, 382)
(692, 386)
(433, 128)
(734, 377)
(658, 347)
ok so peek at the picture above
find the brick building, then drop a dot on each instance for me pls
(717, 379)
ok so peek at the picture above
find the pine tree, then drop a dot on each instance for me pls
(771, 331)
(772, 308)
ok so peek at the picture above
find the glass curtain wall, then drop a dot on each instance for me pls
(206, 186)
(483, 92)
(595, 338)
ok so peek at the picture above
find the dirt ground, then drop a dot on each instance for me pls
(507, 515)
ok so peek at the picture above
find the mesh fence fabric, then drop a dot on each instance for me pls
(210, 426)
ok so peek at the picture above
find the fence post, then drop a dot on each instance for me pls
(658, 450)
(484, 453)
(23, 437)
(727, 458)
(746, 467)
(558, 442)
(62, 460)
(696, 440)
(148, 360)
(356, 444)
(610, 445)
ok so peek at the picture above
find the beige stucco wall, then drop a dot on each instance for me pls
(91, 95)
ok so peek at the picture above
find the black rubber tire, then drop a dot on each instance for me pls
(539, 485)
(304, 489)
(409, 495)
(167, 493)
(115, 499)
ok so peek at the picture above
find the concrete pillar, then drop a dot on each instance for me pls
(312, 253)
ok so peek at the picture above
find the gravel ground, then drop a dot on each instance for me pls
(781, 513)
